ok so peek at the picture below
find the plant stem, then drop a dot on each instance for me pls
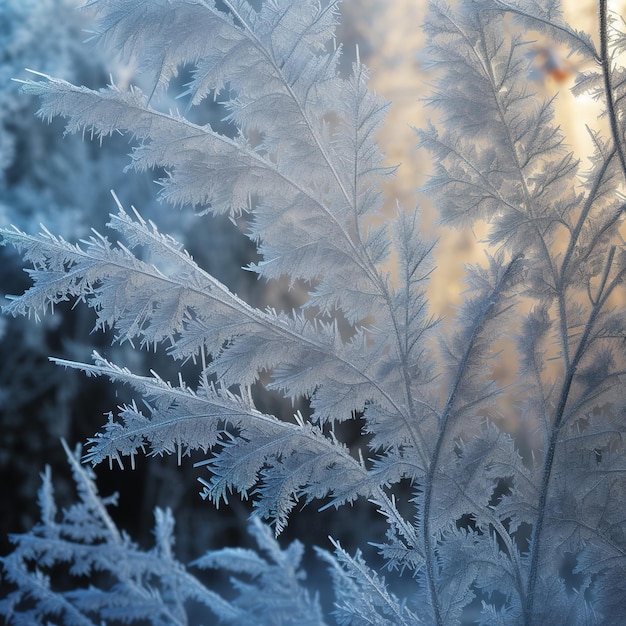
(608, 88)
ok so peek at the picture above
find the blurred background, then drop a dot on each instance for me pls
(64, 183)
(392, 44)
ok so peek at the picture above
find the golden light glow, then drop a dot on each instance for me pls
(393, 52)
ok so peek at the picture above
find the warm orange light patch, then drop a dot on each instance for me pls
(548, 66)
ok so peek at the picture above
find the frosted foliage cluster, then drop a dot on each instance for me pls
(486, 523)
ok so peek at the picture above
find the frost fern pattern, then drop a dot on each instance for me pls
(493, 524)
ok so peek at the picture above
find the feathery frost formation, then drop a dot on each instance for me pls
(497, 534)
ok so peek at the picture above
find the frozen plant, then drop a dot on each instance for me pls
(493, 536)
